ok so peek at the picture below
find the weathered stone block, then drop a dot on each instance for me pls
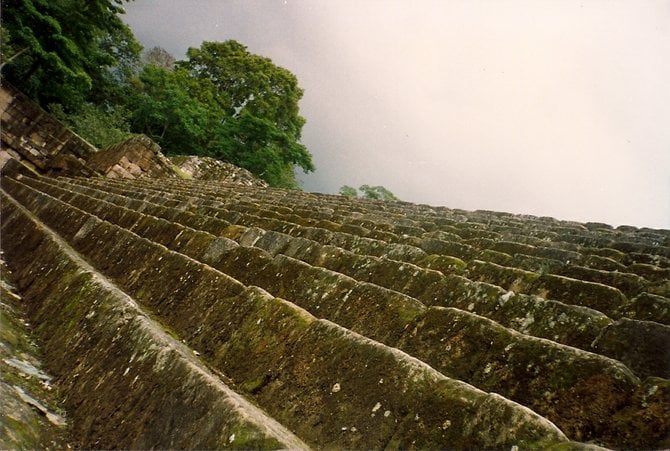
(647, 307)
(589, 294)
(529, 370)
(642, 345)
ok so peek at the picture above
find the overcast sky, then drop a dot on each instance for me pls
(557, 108)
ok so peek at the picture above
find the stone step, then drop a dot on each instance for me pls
(627, 279)
(405, 227)
(647, 307)
(530, 263)
(270, 198)
(535, 320)
(310, 374)
(456, 251)
(33, 415)
(317, 258)
(431, 246)
(385, 316)
(629, 284)
(539, 325)
(650, 259)
(570, 325)
(661, 276)
(273, 225)
(603, 262)
(115, 365)
(340, 239)
(533, 371)
(642, 345)
(629, 247)
(431, 287)
(597, 296)
(402, 208)
(415, 228)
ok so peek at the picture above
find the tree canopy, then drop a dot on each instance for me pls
(227, 103)
(245, 82)
(377, 192)
(78, 59)
(163, 108)
(63, 51)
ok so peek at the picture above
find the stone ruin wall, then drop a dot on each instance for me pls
(207, 168)
(37, 139)
(134, 158)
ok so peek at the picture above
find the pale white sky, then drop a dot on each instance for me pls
(545, 107)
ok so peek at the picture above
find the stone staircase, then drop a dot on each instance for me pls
(192, 314)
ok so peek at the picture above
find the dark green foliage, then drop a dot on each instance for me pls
(163, 109)
(256, 144)
(245, 82)
(225, 103)
(79, 59)
(66, 49)
(74, 57)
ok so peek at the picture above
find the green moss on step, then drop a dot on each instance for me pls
(183, 175)
(443, 263)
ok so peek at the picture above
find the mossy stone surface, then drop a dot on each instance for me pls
(647, 307)
(644, 346)
(365, 266)
(32, 415)
(102, 350)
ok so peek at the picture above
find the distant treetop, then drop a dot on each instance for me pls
(368, 192)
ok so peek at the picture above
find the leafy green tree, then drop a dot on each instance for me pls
(164, 110)
(251, 86)
(113, 84)
(248, 82)
(208, 105)
(81, 60)
(257, 145)
(64, 50)
(348, 191)
(8, 52)
(377, 192)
